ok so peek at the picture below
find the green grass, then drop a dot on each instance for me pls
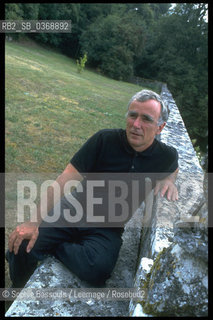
(51, 109)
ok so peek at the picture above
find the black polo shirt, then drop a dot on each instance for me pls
(108, 150)
(108, 156)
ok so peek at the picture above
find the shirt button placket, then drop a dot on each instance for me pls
(133, 166)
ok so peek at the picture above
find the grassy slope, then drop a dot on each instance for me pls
(51, 110)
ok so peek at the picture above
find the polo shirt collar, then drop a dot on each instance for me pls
(129, 149)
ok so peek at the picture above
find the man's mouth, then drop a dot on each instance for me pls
(135, 133)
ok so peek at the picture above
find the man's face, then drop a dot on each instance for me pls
(141, 123)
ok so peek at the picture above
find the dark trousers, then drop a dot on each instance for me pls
(90, 253)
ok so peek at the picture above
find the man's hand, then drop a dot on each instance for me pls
(27, 230)
(168, 186)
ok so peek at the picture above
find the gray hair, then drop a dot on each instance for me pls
(145, 95)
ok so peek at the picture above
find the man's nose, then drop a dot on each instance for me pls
(137, 123)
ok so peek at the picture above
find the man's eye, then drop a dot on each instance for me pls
(147, 119)
(132, 115)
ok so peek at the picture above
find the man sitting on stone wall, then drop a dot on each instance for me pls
(91, 252)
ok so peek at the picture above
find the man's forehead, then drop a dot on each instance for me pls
(150, 106)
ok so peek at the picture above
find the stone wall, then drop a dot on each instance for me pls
(173, 262)
(167, 258)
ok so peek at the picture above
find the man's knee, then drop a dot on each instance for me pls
(21, 251)
(21, 265)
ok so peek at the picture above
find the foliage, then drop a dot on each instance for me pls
(13, 11)
(81, 63)
(176, 53)
(112, 43)
(30, 11)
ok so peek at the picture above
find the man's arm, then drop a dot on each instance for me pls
(168, 185)
(29, 230)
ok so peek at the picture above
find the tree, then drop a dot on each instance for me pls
(30, 11)
(13, 11)
(81, 63)
(176, 53)
(112, 43)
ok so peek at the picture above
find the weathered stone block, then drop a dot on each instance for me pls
(177, 285)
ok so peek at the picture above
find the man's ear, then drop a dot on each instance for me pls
(160, 128)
